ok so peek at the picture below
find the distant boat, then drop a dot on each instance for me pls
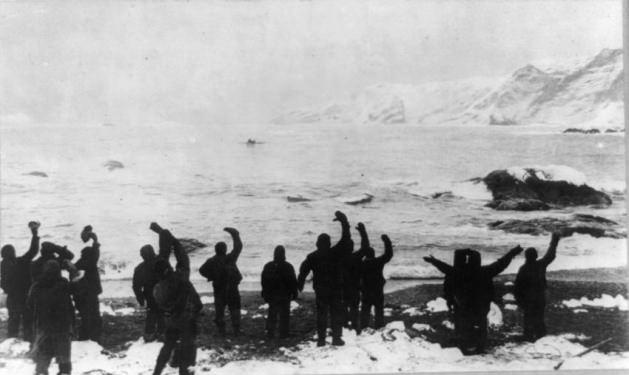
(252, 142)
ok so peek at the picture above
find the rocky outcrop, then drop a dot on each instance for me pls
(595, 226)
(537, 193)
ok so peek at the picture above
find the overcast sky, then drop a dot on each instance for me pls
(244, 61)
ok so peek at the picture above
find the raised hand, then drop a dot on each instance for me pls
(516, 250)
(386, 240)
(339, 216)
(232, 231)
(34, 226)
(361, 227)
(429, 258)
(155, 228)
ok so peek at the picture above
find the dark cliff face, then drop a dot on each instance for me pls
(533, 193)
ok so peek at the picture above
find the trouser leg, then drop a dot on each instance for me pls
(81, 306)
(271, 319)
(352, 311)
(187, 348)
(284, 314)
(94, 322)
(15, 313)
(323, 307)
(337, 317)
(219, 311)
(43, 357)
(234, 308)
(165, 351)
(63, 348)
(27, 321)
(378, 304)
(365, 313)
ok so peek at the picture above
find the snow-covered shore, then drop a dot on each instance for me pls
(390, 349)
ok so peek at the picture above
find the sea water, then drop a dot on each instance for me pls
(197, 179)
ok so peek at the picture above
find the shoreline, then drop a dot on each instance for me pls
(121, 288)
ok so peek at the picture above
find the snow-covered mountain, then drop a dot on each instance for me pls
(582, 92)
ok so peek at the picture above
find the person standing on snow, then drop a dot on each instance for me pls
(144, 280)
(179, 302)
(372, 279)
(326, 265)
(279, 287)
(222, 271)
(88, 288)
(530, 288)
(15, 281)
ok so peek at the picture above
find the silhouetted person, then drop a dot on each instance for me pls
(53, 313)
(372, 279)
(15, 281)
(472, 290)
(180, 304)
(326, 264)
(530, 289)
(351, 281)
(222, 271)
(279, 287)
(88, 288)
(144, 279)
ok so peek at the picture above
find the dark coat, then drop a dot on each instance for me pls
(279, 282)
(222, 270)
(144, 279)
(90, 283)
(15, 274)
(372, 278)
(530, 283)
(49, 251)
(53, 313)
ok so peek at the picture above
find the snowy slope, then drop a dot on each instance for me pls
(584, 91)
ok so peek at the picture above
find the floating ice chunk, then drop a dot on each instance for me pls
(437, 305)
(508, 297)
(422, 327)
(494, 317)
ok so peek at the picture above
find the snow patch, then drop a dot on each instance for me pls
(206, 300)
(605, 301)
(494, 317)
(548, 173)
(510, 307)
(421, 327)
(413, 311)
(437, 305)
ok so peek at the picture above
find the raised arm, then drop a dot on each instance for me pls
(501, 264)
(304, 270)
(443, 267)
(183, 261)
(235, 253)
(32, 251)
(551, 253)
(345, 244)
(364, 238)
(388, 250)
(165, 243)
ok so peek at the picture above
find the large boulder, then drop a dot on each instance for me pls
(595, 226)
(535, 189)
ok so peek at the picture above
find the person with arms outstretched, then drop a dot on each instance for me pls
(222, 270)
(530, 288)
(15, 281)
(469, 290)
(326, 265)
(179, 302)
(279, 287)
(372, 278)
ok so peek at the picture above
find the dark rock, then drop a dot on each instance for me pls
(595, 226)
(36, 174)
(442, 194)
(510, 193)
(297, 198)
(113, 164)
(190, 244)
(582, 131)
